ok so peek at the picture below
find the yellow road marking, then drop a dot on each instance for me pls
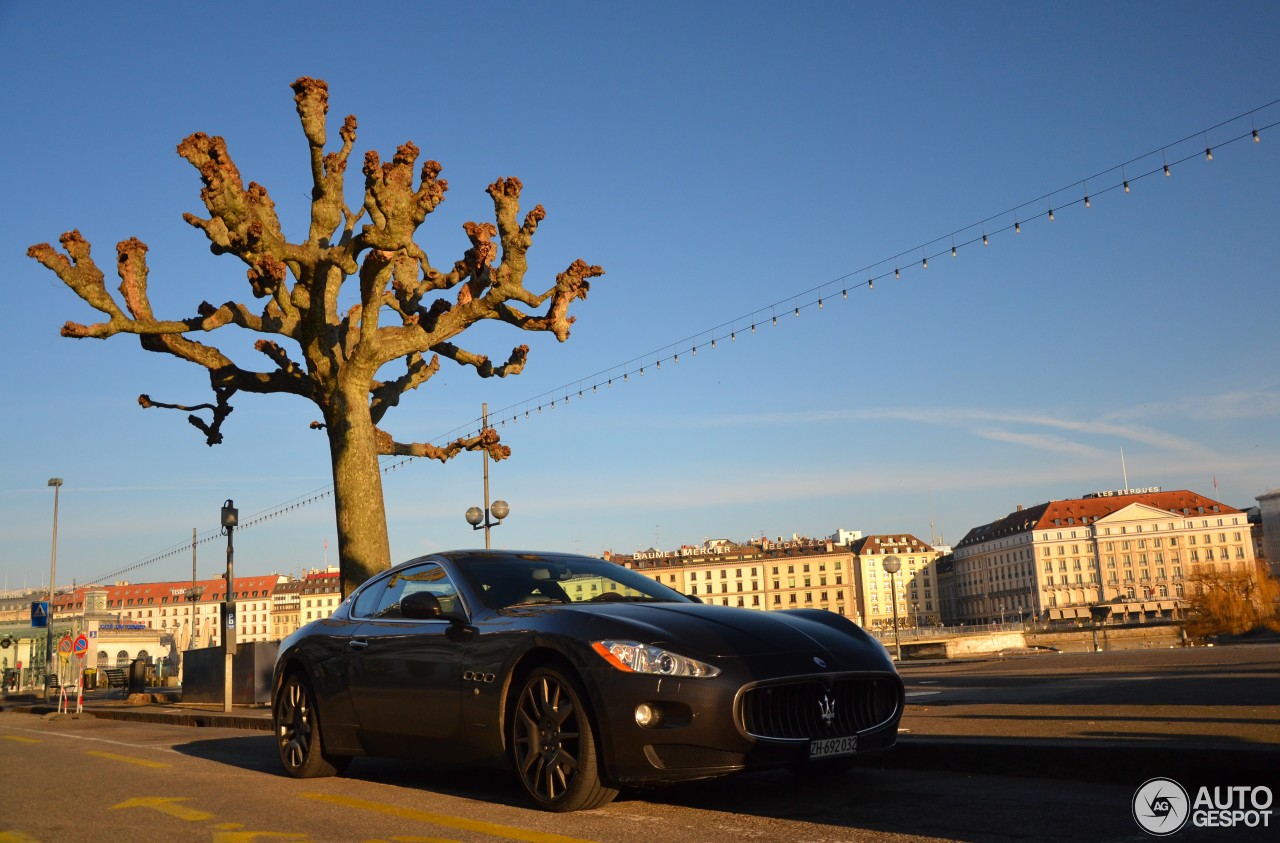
(155, 765)
(166, 805)
(461, 823)
(17, 837)
(19, 739)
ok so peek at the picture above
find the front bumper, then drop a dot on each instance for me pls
(735, 721)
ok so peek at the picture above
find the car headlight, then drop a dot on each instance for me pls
(634, 657)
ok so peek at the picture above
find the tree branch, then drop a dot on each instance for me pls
(487, 440)
(213, 429)
(328, 172)
(387, 395)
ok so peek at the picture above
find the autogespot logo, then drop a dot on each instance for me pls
(1161, 807)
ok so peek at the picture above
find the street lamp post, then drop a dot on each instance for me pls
(56, 483)
(892, 565)
(230, 519)
(479, 520)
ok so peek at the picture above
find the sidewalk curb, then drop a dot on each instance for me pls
(152, 713)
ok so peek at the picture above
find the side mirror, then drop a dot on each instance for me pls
(423, 605)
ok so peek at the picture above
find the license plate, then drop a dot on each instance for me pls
(828, 747)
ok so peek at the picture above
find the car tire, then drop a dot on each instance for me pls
(296, 721)
(553, 744)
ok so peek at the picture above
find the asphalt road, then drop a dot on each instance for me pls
(89, 780)
(1199, 696)
(1029, 748)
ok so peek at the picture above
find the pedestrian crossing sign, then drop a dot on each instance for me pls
(40, 613)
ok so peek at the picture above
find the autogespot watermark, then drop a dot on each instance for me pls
(1162, 807)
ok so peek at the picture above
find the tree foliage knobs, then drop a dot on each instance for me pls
(408, 307)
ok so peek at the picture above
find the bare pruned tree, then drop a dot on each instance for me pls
(402, 314)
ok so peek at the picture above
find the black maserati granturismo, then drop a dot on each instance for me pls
(587, 676)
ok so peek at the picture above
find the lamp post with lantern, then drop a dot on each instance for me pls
(230, 520)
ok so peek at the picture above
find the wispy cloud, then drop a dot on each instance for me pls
(1040, 441)
(1260, 403)
(785, 484)
(993, 424)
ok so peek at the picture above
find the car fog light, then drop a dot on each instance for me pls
(647, 716)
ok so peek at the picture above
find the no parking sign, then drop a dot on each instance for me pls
(81, 645)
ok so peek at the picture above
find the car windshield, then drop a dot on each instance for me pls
(523, 579)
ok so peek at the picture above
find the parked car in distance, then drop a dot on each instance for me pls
(587, 676)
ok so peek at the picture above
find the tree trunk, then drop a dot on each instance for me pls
(363, 546)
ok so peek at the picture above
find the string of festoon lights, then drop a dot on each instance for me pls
(1046, 207)
(1078, 195)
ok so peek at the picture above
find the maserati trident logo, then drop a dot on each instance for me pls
(827, 707)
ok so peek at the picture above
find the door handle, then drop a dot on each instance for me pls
(357, 644)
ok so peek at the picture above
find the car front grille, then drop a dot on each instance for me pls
(818, 707)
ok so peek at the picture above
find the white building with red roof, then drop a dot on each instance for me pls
(152, 621)
(1131, 550)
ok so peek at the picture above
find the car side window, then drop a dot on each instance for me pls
(368, 599)
(428, 577)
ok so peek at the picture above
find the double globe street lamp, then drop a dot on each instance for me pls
(479, 518)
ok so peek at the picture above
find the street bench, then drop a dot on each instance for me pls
(116, 677)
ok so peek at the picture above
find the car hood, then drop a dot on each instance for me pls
(723, 631)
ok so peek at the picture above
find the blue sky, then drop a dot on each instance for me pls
(725, 163)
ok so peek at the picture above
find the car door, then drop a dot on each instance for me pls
(404, 674)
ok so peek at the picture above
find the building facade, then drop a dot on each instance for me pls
(919, 602)
(1132, 552)
(797, 574)
(1269, 519)
(320, 594)
(189, 613)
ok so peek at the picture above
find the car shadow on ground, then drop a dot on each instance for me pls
(493, 783)
(843, 806)
(768, 793)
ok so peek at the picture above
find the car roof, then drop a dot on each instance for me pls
(462, 557)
